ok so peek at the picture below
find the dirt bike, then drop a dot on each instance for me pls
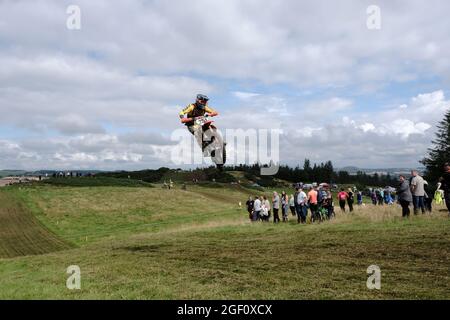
(212, 141)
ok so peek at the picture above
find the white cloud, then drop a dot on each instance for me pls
(367, 127)
(245, 95)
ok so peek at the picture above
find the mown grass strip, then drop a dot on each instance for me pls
(21, 233)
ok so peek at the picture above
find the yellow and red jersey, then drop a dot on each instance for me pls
(192, 111)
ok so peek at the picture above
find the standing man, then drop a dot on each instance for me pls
(446, 185)
(284, 206)
(257, 206)
(300, 205)
(418, 192)
(312, 201)
(359, 198)
(250, 203)
(404, 196)
(350, 199)
(276, 207)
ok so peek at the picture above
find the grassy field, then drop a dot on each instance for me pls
(152, 243)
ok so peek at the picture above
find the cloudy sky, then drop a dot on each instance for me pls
(107, 96)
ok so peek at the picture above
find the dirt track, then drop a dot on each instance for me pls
(4, 182)
(21, 233)
(13, 180)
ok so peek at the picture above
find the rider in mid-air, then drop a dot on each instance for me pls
(193, 116)
(198, 109)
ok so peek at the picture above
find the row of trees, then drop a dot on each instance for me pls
(323, 172)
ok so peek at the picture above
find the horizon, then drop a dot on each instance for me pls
(187, 169)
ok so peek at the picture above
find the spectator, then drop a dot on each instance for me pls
(292, 204)
(342, 197)
(388, 197)
(267, 205)
(250, 204)
(374, 197)
(276, 207)
(264, 210)
(418, 191)
(312, 201)
(321, 195)
(359, 198)
(439, 195)
(446, 185)
(329, 203)
(257, 206)
(404, 196)
(380, 197)
(439, 189)
(350, 199)
(427, 200)
(301, 206)
(284, 206)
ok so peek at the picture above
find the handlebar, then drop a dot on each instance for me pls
(185, 120)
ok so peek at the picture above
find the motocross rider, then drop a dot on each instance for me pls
(198, 109)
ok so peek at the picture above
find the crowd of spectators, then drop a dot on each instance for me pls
(317, 201)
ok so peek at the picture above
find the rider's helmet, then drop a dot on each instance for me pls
(201, 101)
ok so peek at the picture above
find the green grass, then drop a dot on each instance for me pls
(142, 244)
(94, 182)
(21, 233)
(90, 213)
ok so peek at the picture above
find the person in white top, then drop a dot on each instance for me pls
(301, 206)
(257, 206)
(266, 209)
(418, 191)
(292, 205)
(441, 192)
(276, 207)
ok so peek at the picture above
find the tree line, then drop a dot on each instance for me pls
(308, 173)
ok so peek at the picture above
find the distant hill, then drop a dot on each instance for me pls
(7, 173)
(381, 171)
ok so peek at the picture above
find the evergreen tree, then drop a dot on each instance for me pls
(439, 153)
(307, 170)
(328, 172)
